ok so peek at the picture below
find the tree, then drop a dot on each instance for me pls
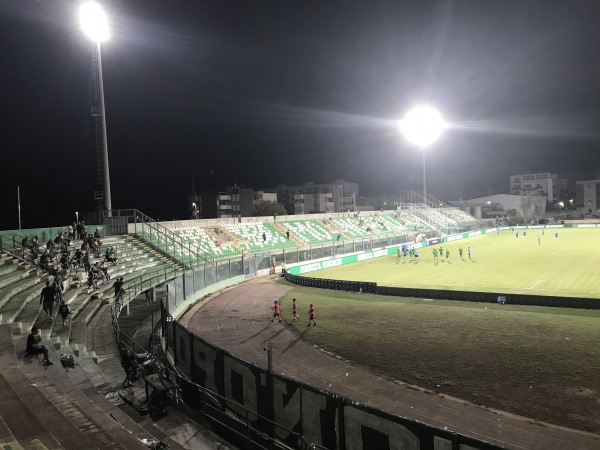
(268, 208)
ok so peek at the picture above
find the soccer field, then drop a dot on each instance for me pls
(501, 263)
(539, 362)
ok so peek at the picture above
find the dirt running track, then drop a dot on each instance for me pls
(238, 320)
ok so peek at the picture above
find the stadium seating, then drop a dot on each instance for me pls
(308, 231)
(75, 398)
(252, 235)
(459, 216)
(354, 227)
(204, 243)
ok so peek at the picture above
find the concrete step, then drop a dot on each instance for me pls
(63, 390)
(78, 328)
(31, 314)
(13, 277)
(8, 292)
(7, 439)
(30, 416)
(7, 267)
(11, 309)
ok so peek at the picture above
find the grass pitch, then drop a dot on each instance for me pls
(561, 266)
(538, 362)
(534, 361)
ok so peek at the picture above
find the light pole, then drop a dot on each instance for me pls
(422, 126)
(95, 25)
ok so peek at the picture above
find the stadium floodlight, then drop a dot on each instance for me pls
(422, 126)
(93, 21)
(94, 24)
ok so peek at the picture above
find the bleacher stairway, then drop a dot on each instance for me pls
(51, 407)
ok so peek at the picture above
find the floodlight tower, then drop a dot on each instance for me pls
(422, 126)
(95, 25)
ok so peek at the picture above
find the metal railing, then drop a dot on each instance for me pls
(215, 408)
(13, 246)
(162, 238)
(241, 422)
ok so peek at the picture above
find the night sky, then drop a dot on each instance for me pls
(270, 92)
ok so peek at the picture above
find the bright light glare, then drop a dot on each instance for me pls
(422, 126)
(93, 21)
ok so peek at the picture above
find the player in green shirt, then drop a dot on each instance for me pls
(399, 257)
(435, 255)
(441, 252)
(460, 250)
(411, 253)
(447, 254)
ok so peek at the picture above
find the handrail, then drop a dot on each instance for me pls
(15, 248)
(137, 217)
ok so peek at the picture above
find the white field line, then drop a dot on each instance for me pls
(539, 281)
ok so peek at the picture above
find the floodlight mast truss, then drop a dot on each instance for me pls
(94, 24)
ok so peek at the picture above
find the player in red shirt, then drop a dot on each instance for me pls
(295, 310)
(311, 316)
(277, 312)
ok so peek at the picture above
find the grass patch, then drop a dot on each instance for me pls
(563, 266)
(534, 361)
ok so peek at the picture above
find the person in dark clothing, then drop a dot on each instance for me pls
(110, 256)
(264, 236)
(118, 285)
(287, 233)
(59, 287)
(127, 363)
(35, 348)
(83, 232)
(64, 261)
(64, 311)
(47, 299)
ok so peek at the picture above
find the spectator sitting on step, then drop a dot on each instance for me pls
(104, 272)
(35, 348)
(45, 260)
(95, 248)
(50, 247)
(64, 261)
(111, 257)
(76, 260)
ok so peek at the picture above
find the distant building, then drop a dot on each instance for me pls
(313, 198)
(544, 184)
(530, 207)
(265, 196)
(588, 195)
(231, 202)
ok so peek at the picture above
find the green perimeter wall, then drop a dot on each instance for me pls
(44, 234)
(311, 267)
